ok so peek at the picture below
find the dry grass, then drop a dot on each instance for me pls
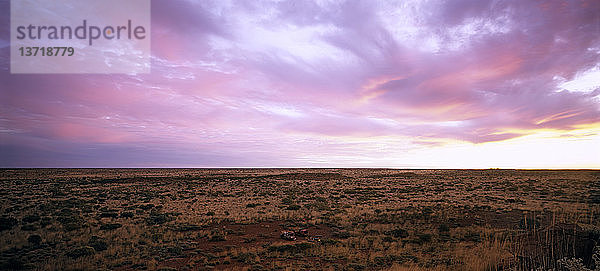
(369, 219)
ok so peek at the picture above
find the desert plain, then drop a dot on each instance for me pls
(354, 219)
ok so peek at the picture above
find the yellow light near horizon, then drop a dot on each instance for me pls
(539, 149)
(542, 150)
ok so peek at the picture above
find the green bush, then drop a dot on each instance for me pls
(291, 248)
(397, 233)
(81, 252)
(110, 226)
(98, 244)
(34, 239)
(7, 223)
(293, 207)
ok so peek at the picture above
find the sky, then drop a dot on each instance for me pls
(403, 84)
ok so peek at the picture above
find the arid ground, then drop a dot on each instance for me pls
(357, 219)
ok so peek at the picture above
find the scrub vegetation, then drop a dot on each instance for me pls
(354, 219)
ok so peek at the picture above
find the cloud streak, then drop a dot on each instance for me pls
(278, 83)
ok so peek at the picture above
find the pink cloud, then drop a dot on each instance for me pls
(254, 81)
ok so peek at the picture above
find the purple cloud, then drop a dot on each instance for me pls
(266, 83)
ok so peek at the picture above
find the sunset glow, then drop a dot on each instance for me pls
(406, 84)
